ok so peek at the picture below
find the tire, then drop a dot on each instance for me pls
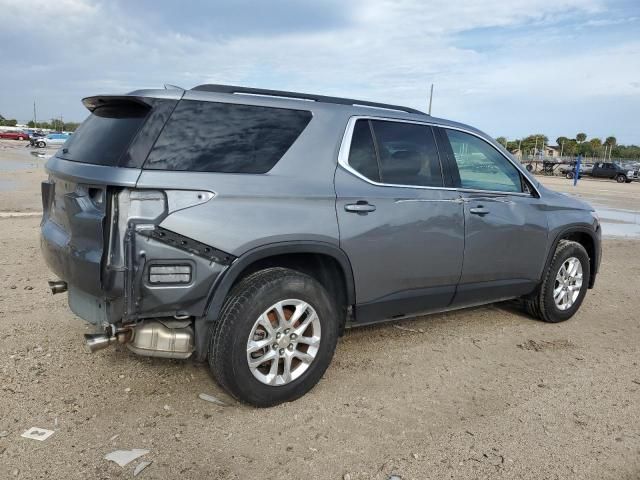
(541, 304)
(529, 167)
(569, 175)
(250, 300)
(41, 144)
(621, 178)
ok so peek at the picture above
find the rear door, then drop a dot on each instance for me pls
(505, 222)
(402, 230)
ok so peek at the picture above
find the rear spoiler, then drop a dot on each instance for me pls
(91, 103)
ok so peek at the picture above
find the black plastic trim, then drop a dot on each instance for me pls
(226, 280)
(404, 304)
(596, 244)
(188, 245)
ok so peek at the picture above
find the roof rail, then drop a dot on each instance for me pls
(300, 96)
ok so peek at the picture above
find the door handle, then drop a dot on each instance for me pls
(360, 207)
(479, 210)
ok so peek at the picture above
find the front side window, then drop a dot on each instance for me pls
(481, 166)
(226, 137)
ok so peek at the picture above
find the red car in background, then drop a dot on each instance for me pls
(14, 135)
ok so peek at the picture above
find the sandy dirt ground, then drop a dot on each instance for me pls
(479, 393)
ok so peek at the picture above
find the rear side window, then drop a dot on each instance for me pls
(408, 154)
(106, 134)
(225, 137)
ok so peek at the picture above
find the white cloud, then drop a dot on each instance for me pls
(386, 50)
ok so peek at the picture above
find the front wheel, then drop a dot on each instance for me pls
(569, 175)
(275, 337)
(564, 286)
(41, 144)
(621, 178)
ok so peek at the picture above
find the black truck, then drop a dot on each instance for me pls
(604, 170)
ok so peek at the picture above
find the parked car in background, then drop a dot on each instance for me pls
(613, 171)
(13, 135)
(52, 139)
(570, 169)
(250, 227)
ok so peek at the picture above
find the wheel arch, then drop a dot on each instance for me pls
(324, 261)
(585, 237)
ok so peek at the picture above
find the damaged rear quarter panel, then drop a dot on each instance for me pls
(295, 200)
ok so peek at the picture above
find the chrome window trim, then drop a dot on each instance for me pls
(345, 147)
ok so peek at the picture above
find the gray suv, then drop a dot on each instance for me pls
(248, 228)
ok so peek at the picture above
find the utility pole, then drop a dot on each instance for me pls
(430, 99)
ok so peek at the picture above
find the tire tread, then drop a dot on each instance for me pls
(536, 304)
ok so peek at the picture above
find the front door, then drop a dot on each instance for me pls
(505, 224)
(402, 231)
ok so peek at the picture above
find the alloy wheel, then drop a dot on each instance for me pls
(568, 283)
(283, 342)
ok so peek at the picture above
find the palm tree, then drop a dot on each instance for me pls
(611, 141)
(581, 137)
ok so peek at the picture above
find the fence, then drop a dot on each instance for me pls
(552, 165)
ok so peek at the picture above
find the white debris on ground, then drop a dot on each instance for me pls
(212, 399)
(124, 457)
(140, 467)
(35, 433)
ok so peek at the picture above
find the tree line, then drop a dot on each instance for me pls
(579, 145)
(54, 124)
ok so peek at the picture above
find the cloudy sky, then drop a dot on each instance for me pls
(508, 67)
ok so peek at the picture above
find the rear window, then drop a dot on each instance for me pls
(105, 135)
(224, 137)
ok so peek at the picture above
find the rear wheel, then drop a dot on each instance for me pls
(564, 286)
(621, 178)
(275, 337)
(41, 144)
(569, 175)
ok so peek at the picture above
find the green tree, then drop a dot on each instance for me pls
(533, 142)
(513, 145)
(502, 141)
(570, 147)
(611, 141)
(581, 137)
